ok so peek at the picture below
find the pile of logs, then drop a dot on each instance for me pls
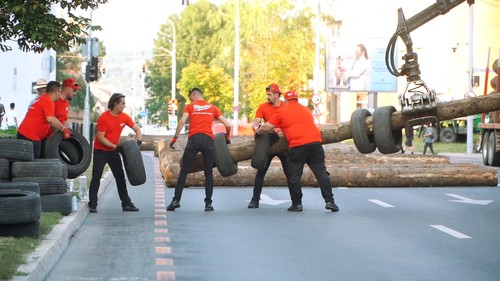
(347, 168)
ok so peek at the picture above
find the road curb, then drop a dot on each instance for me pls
(41, 261)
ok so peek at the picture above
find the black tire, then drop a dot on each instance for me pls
(26, 186)
(387, 140)
(19, 206)
(261, 152)
(5, 170)
(31, 229)
(447, 135)
(364, 143)
(79, 143)
(60, 203)
(16, 150)
(493, 154)
(68, 152)
(48, 185)
(37, 169)
(484, 145)
(55, 160)
(223, 160)
(132, 160)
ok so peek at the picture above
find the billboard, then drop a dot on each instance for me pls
(358, 65)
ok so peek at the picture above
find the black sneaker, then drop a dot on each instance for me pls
(130, 207)
(331, 206)
(92, 208)
(254, 204)
(295, 208)
(175, 204)
(208, 208)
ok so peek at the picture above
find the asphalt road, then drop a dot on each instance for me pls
(379, 234)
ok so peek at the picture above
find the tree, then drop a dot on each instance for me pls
(216, 85)
(35, 29)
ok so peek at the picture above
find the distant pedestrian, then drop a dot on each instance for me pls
(429, 139)
(2, 113)
(409, 140)
(106, 151)
(304, 141)
(11, 117)
(201, 115)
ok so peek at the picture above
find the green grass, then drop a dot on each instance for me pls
(13, 250)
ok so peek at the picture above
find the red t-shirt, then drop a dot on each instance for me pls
(297, 124)
(201, 117)
(112, 126)
(35, 126)
(61, 110)
(267, 110)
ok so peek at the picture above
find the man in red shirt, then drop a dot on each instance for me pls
(304, 142)
(264, 113)
(201, 138)
(106, 151)
(40, 117)
(61, 107)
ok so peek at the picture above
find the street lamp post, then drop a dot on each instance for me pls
(172, 122)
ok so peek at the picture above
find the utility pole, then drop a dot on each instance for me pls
(86, 109)
(236, 84)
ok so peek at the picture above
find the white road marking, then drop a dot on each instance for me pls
(381, 203)
(462, 199)
(267, 200)
(450, 231)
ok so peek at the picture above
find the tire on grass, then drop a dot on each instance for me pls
(133, 162)
(79, 143)
(60, 203)
(30, 229)
(223, 160)
(19, 206)
(261, 152)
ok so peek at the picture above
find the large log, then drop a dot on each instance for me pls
(332, 133)
(357, 175)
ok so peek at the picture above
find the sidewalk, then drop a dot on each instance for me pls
(47, 254)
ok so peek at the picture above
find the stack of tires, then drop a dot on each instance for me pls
(51, 176)
(20, 203)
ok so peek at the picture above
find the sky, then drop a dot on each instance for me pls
(132, 25)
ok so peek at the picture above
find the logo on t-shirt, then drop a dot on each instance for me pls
(122, 124)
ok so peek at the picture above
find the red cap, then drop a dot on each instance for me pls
(291, 95)
(273, 88)
(70, 82)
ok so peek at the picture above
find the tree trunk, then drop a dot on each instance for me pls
(355, 175)
(332, 133)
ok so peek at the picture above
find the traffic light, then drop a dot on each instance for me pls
(144, 68)
(91, 70)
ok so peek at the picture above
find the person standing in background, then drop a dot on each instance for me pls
(429, 139)
(40, 87)
(11, 117)
(2, 113)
